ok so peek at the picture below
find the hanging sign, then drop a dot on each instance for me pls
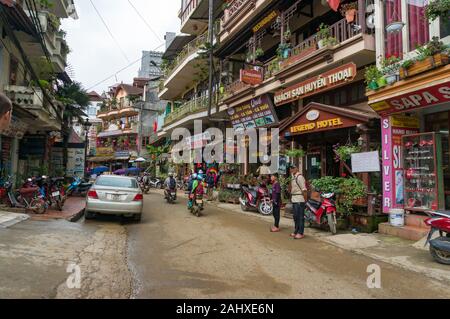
(318, 84)
(258, 112)
(252, 77)
(264, 23)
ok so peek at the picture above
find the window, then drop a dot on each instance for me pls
(445, 28)
(393, 41)
(145, 141)
(116, 182)
(419, 32)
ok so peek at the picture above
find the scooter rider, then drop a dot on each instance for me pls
(170, 184)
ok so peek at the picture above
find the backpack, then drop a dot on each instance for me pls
(172, 183)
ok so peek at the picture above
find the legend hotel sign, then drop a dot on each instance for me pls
(324, 82)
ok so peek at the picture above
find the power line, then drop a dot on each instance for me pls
(109, 30)
(145, 21)
(124, 68)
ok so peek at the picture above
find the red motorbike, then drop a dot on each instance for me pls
(322, 213)
(439, 247)
(256, 198)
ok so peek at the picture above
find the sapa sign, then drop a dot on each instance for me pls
(324, 82)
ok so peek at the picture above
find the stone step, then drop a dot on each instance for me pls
(406, 232)
(416, 221)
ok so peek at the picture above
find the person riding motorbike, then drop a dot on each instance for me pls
(170, 184)
(197, 189)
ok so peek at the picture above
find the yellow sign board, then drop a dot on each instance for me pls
(319, 125)
(405, 121)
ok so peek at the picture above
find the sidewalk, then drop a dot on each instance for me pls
(402, 253)
(73, 210)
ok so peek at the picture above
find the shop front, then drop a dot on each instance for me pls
(415, 141)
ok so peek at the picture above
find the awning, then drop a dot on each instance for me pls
(177, 45)
(316, 117)
(99, 159)
(110, 133)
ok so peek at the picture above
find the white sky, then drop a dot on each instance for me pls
(94, 54)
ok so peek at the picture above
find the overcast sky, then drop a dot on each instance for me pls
(96, 56)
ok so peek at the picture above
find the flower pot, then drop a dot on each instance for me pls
(391, 79)
(350, 15)
(286, 53)
(321, 43)
(429, 63)
(373, 85)
(381, 82)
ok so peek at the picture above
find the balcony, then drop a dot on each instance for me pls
(188, 108)
(63, 9)
(194, 17)
(236, 9)
(59, 55)
(180, 72)
(26, 97)
(235, 90)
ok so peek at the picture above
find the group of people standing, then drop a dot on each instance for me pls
(299, 195)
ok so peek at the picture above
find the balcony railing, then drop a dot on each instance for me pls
(341, 31)
(234, 8)
(26, 97)
(185, 12)
(234, 88)
(187, 51)
(193, 106)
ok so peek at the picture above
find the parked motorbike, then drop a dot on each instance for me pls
(170, 195)
(78, 187)
(156, 183)
(322, 213)
(439, 247)
(27, 197)
(258, 199)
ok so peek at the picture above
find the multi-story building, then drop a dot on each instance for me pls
(414, 109)
(33, 49)
(273, 56)
(150, 65)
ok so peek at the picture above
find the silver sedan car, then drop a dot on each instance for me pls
(115, 195)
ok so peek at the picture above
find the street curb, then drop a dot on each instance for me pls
(76, 217)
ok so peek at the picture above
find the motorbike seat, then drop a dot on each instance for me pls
(314, 203)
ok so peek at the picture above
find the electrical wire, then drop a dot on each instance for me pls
(124, 68)
(109, 31)
(145, 21)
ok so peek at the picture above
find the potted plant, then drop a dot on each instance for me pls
(371, 75)
(287, 35)
(323, 33)
(295, 153)
(344, 153)
(284, 50)
(381, 81)
(259, 52)
(348, 10)
(438, 9)
(434, 54)
(352, 190)
(390, 68)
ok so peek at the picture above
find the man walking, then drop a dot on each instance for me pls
(299, 194)
(276, 199)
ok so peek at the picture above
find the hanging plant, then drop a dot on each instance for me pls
(296, 153)
(348, 10)
(344, 153)
(438, 9)
(259, 52)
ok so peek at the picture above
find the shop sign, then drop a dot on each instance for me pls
(324, 82)
(122, 154)
(312, 115)
(252, 77)
(407, 102)
(392, 130)
(104, 151)
(256, 113)
(319, 125)
(264, 23)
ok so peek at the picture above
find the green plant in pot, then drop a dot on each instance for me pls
(295, 153)
(259, 52)
(351, 189)
(344, 152)
(323, 34)
(372, 74)
(390, 67)
(283, 51)
(438, 9)
(348, 10)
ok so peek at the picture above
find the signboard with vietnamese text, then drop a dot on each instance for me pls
(318, 84)
(252, 77)
(256, 113)
(430, 96)
(266, 21)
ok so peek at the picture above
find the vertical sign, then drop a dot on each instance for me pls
(392, 129)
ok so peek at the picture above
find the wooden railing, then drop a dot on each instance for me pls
(234, 8)
(234, 87)
(188, 49)
(185, 13)
(189, 107)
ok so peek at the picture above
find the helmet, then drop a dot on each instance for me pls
(194, 176)
(170, 174)
(200, 172)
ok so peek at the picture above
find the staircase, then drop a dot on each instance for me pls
(414, 229)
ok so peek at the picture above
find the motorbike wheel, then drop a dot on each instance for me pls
(59, 205)
(332, 223)
(265, 208)
(243, 207)
(38, 206)
(440, 256)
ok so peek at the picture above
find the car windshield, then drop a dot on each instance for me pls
(116, 182)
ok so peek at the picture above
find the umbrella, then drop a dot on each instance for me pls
(99, 170)
(133, 170)
(120, 172)
(140, 160)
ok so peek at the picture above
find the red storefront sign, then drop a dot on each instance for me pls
(318, 84)
(252, 77)
(407, 102)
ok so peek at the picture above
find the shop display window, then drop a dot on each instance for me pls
(423, 173)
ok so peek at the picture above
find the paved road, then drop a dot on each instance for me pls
(173, 254)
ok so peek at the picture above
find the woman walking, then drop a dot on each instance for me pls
(276, 198)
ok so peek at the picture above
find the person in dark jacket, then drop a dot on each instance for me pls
(276, 198)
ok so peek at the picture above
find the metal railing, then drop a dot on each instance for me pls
(185, 12)
(189, 107)
(187, 51)
(234, 87)
(234, 7)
